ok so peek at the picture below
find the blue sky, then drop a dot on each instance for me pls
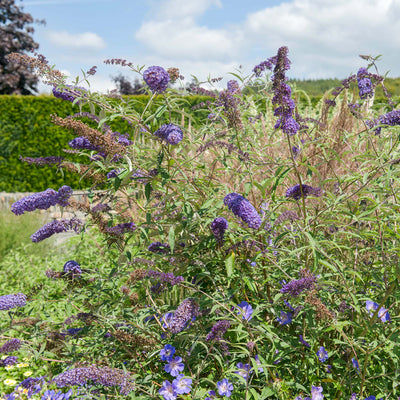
(215, 37)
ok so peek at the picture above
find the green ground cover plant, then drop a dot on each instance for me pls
(255, 256)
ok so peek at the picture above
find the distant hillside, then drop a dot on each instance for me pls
(316, 88)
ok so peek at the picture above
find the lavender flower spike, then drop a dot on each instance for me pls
(295, 287)
(56, 226)
(218, 227)
(10, 301)
(243, 209)
(364, 84)
(296, 192)
(42, 200)
(186, 312)
(10, 346)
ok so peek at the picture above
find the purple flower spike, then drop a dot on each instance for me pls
(322, 354)
(63, 195)
(171, 133)
(225, 388)
(11, 345)
(245, 310)
(120, 229)
(10, 301)
(56, 226)
(364, 84)
(186, 312)
(82, 143)
(42, 200)
(157, 78)
(296, 193)
(167, 352)
(218, 227)
(243, 209)
(175, 366)
(295, 287)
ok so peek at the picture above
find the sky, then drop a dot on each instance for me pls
(213, 38)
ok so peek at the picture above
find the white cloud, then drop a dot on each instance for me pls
(185, 40)
(86, 40)
(324, 37)
(176, 9)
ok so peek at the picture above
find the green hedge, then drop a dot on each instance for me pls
(26, 130)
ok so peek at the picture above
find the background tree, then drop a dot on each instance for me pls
(16, 36)
(126, 87)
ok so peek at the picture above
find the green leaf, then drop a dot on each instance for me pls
(229, 262)
(171, 238)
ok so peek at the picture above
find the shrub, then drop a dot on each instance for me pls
(291, 293)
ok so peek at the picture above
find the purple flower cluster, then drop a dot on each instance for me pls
(218, 227)
(120, 229)
(106, 376)
(42, 200)
(171, 133)
(295, 287)
(10, 346)
(244, 370)
(53, 395)
(285, 318)
(243, 209)
(246, 310)
(233, 87)
(157, 78)
(392, 118)
(322, 354)
(10, 301)
(51, 160)
(218, 330)
(180, 385)
(364, 84)
(186, 312)
(298, 191)
(33, 386)
(69, 93)
(63, 195)
(225, 388)
(383, 314)
(10, 360)
(282, 92)
(56, 226)
(81, 143)
(158, 247)
(71, 267)
(268, 64)
(229, 101)
(165, 277)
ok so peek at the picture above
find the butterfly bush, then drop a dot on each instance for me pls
(168, 305)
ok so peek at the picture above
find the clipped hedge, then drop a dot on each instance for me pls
(26, 130)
